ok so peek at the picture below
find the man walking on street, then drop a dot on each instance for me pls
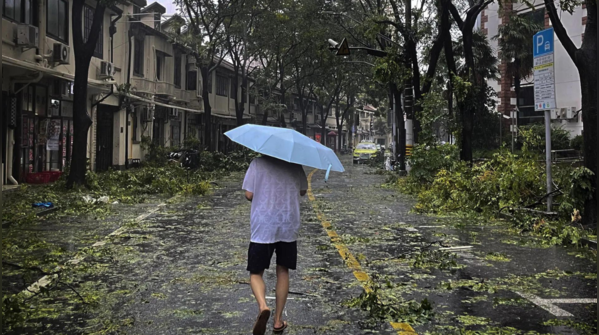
(274, 187)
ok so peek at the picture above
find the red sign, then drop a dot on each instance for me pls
(317, 138)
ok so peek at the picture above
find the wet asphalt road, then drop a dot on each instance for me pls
(182, 270)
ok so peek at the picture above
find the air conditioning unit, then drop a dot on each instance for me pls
(61, 53)
(570, 113)
(563, 113)
(27, 36)
(555, 114)
(106, 70)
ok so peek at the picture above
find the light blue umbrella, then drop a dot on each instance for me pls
(288, 145)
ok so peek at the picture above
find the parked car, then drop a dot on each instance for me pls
(364, 151)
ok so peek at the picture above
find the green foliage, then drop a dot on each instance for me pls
(444, 185)
(533, 138)
(577, 143)
(515, 43)
(191, 143)
(503, 181)
(432, 115)
(382, 303)
(427, 161)
(390, 69)
(577, 186)
(155, 153)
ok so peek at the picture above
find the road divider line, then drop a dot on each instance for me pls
(47, 279)
(545, 304)
(350, 260)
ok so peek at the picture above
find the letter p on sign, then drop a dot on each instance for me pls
(543, 42)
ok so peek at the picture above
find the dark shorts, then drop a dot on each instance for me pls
(259, 255)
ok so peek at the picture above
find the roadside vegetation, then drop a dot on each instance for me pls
(505, 185)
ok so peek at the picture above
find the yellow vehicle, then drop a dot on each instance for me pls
(365, 151)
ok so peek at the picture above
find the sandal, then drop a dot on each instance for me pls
(261, 321)
(280, 329)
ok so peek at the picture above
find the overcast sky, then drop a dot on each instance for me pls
(170, 7)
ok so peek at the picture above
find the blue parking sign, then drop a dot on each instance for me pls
(542, 42)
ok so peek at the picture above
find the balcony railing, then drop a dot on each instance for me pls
(143, 85)
(164, 88)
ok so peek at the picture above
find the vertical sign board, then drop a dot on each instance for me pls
(543, 47)
(544, 75)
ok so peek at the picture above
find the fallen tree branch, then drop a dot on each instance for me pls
(540, 201)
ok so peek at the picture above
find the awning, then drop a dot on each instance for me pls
(332, 133)
(100, 84)
(135, 97)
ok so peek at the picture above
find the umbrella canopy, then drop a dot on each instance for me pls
(286, 144)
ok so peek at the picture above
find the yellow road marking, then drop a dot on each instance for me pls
(350, 260)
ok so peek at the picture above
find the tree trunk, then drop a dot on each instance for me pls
(467, 122)
(81, 123)
(400, 125)
(265, 118)
(323, 127)
(81, 120)
(207, 108)
(238, 104)
(585, 59)
(588, 85)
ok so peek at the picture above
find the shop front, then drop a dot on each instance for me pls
(43, 133)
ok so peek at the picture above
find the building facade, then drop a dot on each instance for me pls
(567, 82)
(142, 86)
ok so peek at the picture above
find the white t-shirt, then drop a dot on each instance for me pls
(276, 185)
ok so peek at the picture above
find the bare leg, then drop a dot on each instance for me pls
(259, 289)
(282, 291)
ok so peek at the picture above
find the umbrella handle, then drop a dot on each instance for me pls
(326, 176)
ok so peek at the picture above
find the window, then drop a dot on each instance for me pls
(138, 57)
(527, 105)
(177, 79)
(222, 85)
(58, 20)
(134, 125)
(88, 20)
(536, 16)
(24, 11)
(192, 80)
(159, 65)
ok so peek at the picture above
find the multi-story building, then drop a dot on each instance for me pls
(37, 76)
(142, 84)
(567, 82)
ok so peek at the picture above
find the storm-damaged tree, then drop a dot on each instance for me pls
(585, 59)
(206, 34)
(83, 47)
